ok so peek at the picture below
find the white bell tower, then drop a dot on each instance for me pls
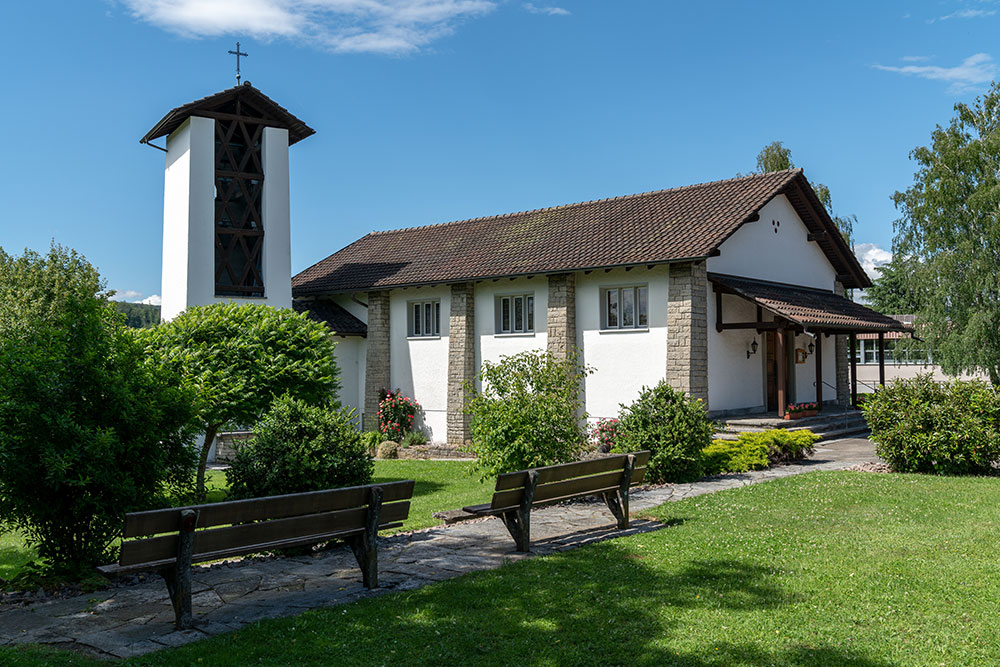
(226, 227)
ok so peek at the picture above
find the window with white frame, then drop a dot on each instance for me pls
(625, 307)
(424, 318)
(515, 313)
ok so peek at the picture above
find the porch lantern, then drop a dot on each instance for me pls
(753, 348)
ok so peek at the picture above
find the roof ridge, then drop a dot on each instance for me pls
(546, 209)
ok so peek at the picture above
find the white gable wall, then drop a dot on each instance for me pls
(756, 250)
(624, 360)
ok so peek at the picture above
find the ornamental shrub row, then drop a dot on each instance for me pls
(950, 428)
(757, 451)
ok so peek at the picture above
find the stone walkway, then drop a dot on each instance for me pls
(136, 619)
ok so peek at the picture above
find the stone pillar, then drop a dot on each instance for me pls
(560, 319)
(840, 351)
(461, 359)
(377, 368)
(687, 329)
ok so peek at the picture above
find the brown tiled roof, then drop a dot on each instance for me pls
(653, 227)
(811, 308)
(277, 115)
(332, 315)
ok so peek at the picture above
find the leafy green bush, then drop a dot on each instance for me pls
(528, 413)
(952, 428)
(88, 429)
(674, 427)
(299, 447)
(756, 451)
(719, 457)
(413, 438)
(370, 440)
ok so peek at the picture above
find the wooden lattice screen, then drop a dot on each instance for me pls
(239, 184)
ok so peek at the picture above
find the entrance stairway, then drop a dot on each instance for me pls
(830, 424)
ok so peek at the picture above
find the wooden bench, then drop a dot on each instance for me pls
(170, 540)
(518, 492)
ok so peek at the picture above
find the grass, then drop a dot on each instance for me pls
(819, 569)
(440, 485)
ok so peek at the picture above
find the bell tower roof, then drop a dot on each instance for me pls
(244, 101)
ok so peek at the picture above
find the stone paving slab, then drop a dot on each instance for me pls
(133, 620)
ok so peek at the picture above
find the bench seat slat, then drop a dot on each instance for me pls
(578, 486)
(154, 522)
(219, 555)
(238, 538)
(561, 471)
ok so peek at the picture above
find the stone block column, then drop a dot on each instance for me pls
(560, 319)
(377, 368)
(687, 329)
(461, 359)
(841, 351)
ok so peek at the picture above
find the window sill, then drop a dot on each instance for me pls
(526, 334)
(423, 338)
(625, 331)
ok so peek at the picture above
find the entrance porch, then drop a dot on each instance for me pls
(783, 314)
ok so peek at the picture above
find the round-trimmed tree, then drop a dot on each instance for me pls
(240, 358)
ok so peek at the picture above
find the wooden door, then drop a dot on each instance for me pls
(771, 371)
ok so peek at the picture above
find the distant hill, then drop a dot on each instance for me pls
(139, 315)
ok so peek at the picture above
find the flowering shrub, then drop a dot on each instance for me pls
(605, 433)
(801, 407)
(395, 415)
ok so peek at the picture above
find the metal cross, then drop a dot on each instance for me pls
(238, 53)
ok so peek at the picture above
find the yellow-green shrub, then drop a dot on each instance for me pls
(756, 451)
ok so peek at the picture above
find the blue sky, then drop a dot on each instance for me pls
(435, 110)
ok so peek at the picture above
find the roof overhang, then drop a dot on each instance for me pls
(809, 309)
(265, 110)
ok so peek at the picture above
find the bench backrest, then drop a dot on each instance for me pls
(568, 480)
(259, 524)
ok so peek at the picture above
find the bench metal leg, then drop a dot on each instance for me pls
(518, 522)
(617, 501)
(178, 577)
(365, 546)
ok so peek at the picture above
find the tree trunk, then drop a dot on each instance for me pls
(203, 460)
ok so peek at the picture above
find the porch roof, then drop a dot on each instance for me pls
(813, 309)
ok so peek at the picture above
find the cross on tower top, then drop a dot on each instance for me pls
(238, 53)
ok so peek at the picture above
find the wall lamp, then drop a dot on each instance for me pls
(753, 348)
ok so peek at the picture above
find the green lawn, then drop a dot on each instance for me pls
(818, 569)
(441, 485)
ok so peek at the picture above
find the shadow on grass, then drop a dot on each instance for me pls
(421, 487)
(602, 605)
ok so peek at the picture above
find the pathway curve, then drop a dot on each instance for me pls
(136, 619)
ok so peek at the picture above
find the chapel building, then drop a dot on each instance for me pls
(732, 291)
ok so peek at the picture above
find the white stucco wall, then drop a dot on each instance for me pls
(277, 253)
(349, 359)
(624, 360)
(188, 277)
(188, 217)
(419, 365)
(765, 251)
(490, 346)
(734, 381)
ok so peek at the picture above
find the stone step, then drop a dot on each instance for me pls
(828, 428)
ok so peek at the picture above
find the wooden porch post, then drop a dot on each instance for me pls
(819, 371)
(854, 370)
(779, 352)
(881, 359)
